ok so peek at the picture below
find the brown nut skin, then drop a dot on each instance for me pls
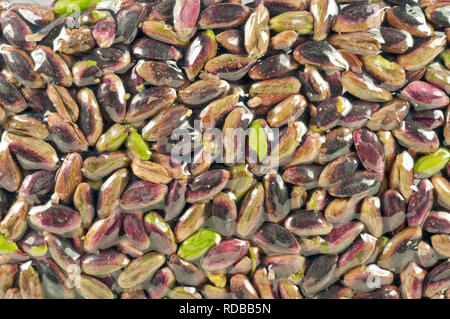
(74, 41)
(315, 87)
(160, 284)
(202, 49)
(251, 210)
(360, 43)
(151, 172)
(273, 238)
(149, 103)
(63, 102)
(436, 280)
(192, 219)
(217, 110)
(7, 273)
(21, 66)
(160, 234)
(224, 214)
(323, 13)
(412, 277)
(416, 136)
(16, 30)
(232, 40)
(437, 222)
(14, 224)
(141, 269)
(142, 195)
(30, 284)
(10, 97)
(440, 244)
(51, 66)
(393, 207)
(410, 19)
(305, 223)
(367, 278)
(320, 54)
(10, 172)
(65, 134)
(401, 177)
(62, 252)
(319, 275)
(203, 91)
(152, 49)
(272, 67)
(400, 250)
(111, 97)
(111, 191)
(83, 200)
(90, 119)
(223, 16)
(357, 254)
(31, 153)
(395, 40)
(284, 41)
(186, 272)
(25, 124)
(287, 110)
(389, 115)
(308, 150)
(422, 54)
(206, 185)
(337, 170)
(364, 88)
(241, 287)
(104, 233)
(161, 73)
(385, 292)
(358, 17)
(97, 167)
(420, 203)
(441, 191)
(68, 177)
(103, 263)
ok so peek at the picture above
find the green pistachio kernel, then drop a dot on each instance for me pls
(137, 146)
(113, 139)
(257, 140)
(198, 243)
(65, 8)
(37, 251)
(432, 163)
(299, 21)
(241, 180)
(7, 246)
(154, 219)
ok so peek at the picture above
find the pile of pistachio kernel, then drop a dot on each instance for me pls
(340, 189)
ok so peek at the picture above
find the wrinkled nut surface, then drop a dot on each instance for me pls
(190, 149)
